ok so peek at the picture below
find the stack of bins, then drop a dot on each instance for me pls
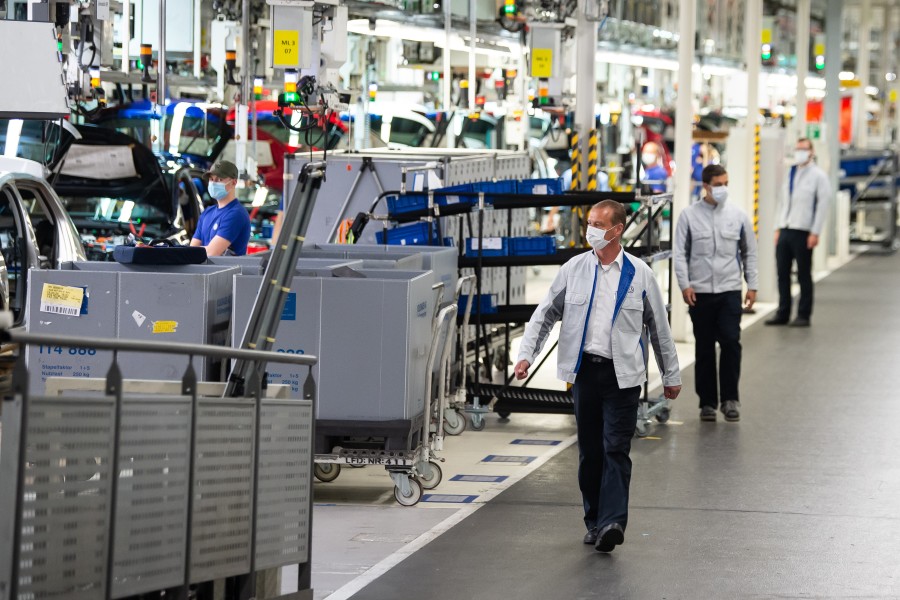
(189, 303)
(371, 332)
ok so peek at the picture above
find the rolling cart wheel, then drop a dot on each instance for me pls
(326, 472)
(503, 414)
(478, 422)
(663, 416)
(431, 476)
(454, 422)
(415, 493)
(641, 429)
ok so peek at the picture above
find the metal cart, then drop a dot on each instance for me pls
(118, 494)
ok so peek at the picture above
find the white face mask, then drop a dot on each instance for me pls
(720, 194)
(596, 237)
(648, 159)
(801, 157)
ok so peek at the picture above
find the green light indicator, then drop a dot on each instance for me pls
(291, 97)
(140, 65)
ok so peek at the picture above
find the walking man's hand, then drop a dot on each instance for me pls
(671, 391)
(521, 369)
(690, 297)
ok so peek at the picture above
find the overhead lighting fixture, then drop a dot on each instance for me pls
(890, 77)
(846, 76)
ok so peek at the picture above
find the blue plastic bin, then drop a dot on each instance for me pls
(490, 247)
(859, 166)
(540, 187)
(497, 187)
(414, 234)
(532, 246)
(488, 304)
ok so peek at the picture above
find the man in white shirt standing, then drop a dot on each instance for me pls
(801, 218)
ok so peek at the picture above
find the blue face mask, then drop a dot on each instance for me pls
(217, 190)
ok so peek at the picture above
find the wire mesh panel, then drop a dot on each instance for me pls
(66, 498)
(223, 472)
(151, 512)
(285, 462)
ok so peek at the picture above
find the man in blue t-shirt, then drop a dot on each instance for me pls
(655, 175)
(225, 227)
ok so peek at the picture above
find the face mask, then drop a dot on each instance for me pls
(720, 194)
(597, 238)
(217, 190)
(648, 159)
(801, 157)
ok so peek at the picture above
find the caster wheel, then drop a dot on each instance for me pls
(478, 423)
(431, 475)
(326, 473)
(415, 493)
(503, 414)
(454, 422)
(642, 429)
(663, 416)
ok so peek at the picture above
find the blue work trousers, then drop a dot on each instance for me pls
(606, 417)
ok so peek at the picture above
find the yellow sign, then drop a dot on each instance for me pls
(165, 326)
(893, 96)
(287, 48)
(766, 36)
(851, 83)
(542, 62)
(61, 299)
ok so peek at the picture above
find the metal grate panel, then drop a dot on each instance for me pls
(223, 471)
(151, 516)
(65, 503)
(285, 462)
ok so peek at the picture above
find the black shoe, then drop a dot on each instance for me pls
(800, 322)
(732, 410)
(591, 536)
(609, 537)
(777, 320)
(707, 413)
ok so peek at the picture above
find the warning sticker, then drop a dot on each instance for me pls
(165, 326)
(287, 48)
(62, 299)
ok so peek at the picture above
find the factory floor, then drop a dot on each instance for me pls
(798, 500)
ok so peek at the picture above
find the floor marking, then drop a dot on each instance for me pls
(389, 562)
(480, 478)
(449, 498)
(525, 442)
(500, 458)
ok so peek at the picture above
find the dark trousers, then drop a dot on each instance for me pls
(606, 417)
(717, 318)
(792, 247)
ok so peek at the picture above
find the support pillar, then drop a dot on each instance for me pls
(586, 37)
(684, 119)
(863, 68)
(802, 51)
(833, 34)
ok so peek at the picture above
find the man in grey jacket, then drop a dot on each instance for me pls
(714, 247)
(801, 218)
(606, 299)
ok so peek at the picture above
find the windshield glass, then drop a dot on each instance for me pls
(198, 136)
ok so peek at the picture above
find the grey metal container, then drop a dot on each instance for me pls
(190, 303)
(442, 260)
(371, 335)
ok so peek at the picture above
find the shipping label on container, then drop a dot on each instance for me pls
(62, 299)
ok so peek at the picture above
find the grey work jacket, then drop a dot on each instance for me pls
(715, 247)
(804, 200)
(639, 307)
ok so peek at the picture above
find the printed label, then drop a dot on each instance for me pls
(490, 243)
(61, 299)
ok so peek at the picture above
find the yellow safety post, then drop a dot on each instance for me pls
(592, 161)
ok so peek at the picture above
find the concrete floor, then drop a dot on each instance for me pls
(798, 500)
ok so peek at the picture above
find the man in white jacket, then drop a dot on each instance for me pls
(606, 300)
(715, 248)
